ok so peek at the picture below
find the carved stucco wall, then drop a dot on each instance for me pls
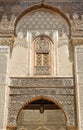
(40, 20)
(38, 23)
(62, 96)
(9, 10)
(15, 7)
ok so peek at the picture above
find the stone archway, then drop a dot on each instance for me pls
(41, 114)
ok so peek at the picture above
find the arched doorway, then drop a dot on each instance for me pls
(41, 114)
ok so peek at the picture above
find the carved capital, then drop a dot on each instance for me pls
(77, 41)
(7, 41)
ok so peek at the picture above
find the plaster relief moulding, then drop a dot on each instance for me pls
(12, 21)
(77, 41)
(7, 41)
(43, 82)
(16, 8)
(75, 16)
(7, 25)
(35, 21)
(77, 22)
(77, 27)
(21, 42)
(4, 22)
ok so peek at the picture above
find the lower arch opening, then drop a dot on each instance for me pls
(41, 114)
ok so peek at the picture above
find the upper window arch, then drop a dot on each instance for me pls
(42, 52)
(47, 52)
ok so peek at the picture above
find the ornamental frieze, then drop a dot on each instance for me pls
(52, 91)
(16, 6)
(41, 82)
(77, 41)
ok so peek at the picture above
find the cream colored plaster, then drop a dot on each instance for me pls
(23, 59)
(64, 64)
(19, 66)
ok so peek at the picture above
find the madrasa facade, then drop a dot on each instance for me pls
(41, 64)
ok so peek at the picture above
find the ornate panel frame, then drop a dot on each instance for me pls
(25, 90)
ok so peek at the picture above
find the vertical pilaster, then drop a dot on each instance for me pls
(78, 64)
(4, 62)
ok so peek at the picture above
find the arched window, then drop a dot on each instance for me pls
(42, 50)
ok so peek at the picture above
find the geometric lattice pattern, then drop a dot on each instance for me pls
(42, 50)
(42, 20)
(42, 70)
(42, 59)
(45, 59)
(38, 59)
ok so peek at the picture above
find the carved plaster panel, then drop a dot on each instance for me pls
(77, 26)
(60, 90)
(21, 42)
(65, 100)
(40, 82)
(7, 41)
(7, 25)
(77, 41)
(40, 20)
